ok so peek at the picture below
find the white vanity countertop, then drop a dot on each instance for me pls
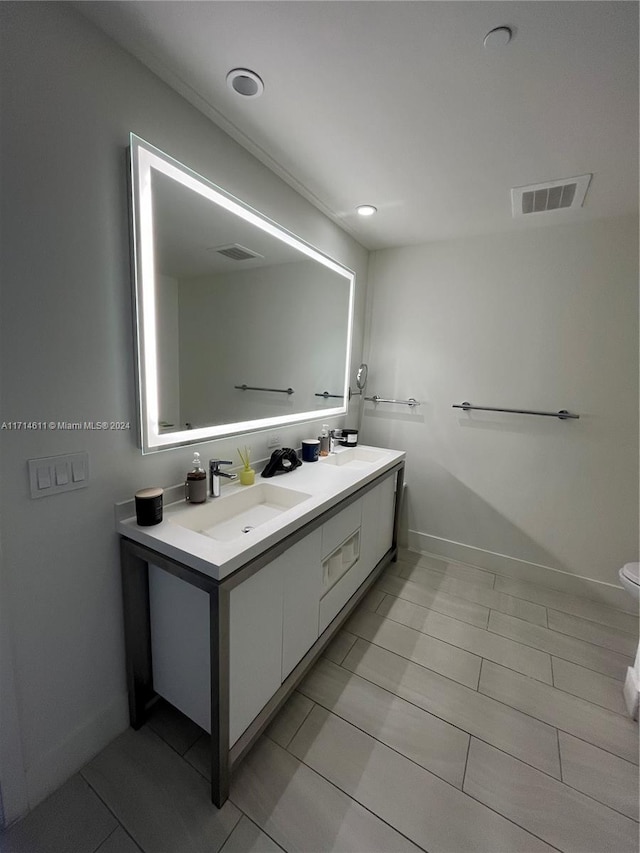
(324, 482)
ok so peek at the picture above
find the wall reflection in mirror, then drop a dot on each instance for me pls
(240, 324)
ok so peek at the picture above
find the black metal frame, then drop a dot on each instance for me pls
(135, 561)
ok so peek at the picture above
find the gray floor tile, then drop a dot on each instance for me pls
(477, 592)
(562, 816)
(435, 815)
(411, 731)
(603, 776)
(394, 568)
(592, 686)
(338, 648)
(161, 801)
(72, 820)
(174, 727)
(596, 725)
(567, 603)
(303, 812)
(290, 718)
(371, 600)
(455, 663)
(458, 608)
(413, 557)
(479, 641)
(450, 569)
(593, 632)
(199, 756)
(506, 728)
(560, 645)
(119, 842)
(248, 838)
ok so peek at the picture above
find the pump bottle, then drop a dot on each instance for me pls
(195, 487)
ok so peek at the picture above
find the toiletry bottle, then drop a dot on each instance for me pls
(195, 487)
(324, 440)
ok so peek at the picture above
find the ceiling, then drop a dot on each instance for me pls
(398, 104)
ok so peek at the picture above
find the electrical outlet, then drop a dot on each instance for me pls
(273, 440)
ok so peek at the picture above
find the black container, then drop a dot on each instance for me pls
(349, 437)
(149, 506)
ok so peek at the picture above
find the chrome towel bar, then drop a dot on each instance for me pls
(254, 388)
(410, 402)
(563, 414)
(326, 395)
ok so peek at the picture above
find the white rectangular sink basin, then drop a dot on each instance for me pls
(229, 517)
(355, 457)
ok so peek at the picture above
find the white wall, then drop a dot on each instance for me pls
(70, 97)
(545, 319)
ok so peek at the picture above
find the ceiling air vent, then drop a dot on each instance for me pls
(567, 194)
(236, 252)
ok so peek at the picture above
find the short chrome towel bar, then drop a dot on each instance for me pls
(563, 414)
(326, 395)
(410, 402)
(254, 388)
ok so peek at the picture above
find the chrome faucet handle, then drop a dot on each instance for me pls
(215, 473)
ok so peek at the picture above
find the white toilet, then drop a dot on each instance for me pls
(630, 579)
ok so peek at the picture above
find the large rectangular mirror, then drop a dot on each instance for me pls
(240, 325)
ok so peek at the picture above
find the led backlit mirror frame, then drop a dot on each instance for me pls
(144, 158)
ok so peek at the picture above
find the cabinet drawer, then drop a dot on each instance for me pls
(338, 528)
(333, 602)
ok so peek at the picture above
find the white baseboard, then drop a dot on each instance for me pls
(56, 766)
(513, 567)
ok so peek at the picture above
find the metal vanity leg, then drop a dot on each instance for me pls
(137, 633)
(396, 512)
(219, 660)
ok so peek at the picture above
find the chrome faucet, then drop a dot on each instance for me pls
(215, 473)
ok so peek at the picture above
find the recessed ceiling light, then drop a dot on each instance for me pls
(366, 209)
(245, 83)
(498, 37)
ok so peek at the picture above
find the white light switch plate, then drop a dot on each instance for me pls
(55, 474)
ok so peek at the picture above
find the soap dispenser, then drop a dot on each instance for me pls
(325, 441)
(195, 487)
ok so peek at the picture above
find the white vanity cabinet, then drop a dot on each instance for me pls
(273, 622)
(228, 652)
(362, 551)
(301, 590)
(255, 645)
(377, 522)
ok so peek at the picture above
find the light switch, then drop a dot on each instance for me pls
(58, 474)
(62, 474)
(44, 477)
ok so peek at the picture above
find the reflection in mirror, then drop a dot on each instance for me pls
(241, 326)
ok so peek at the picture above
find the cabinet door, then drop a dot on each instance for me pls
(302, 588)
(255, 646)
(377, 522)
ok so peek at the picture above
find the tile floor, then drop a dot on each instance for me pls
(457, 712)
